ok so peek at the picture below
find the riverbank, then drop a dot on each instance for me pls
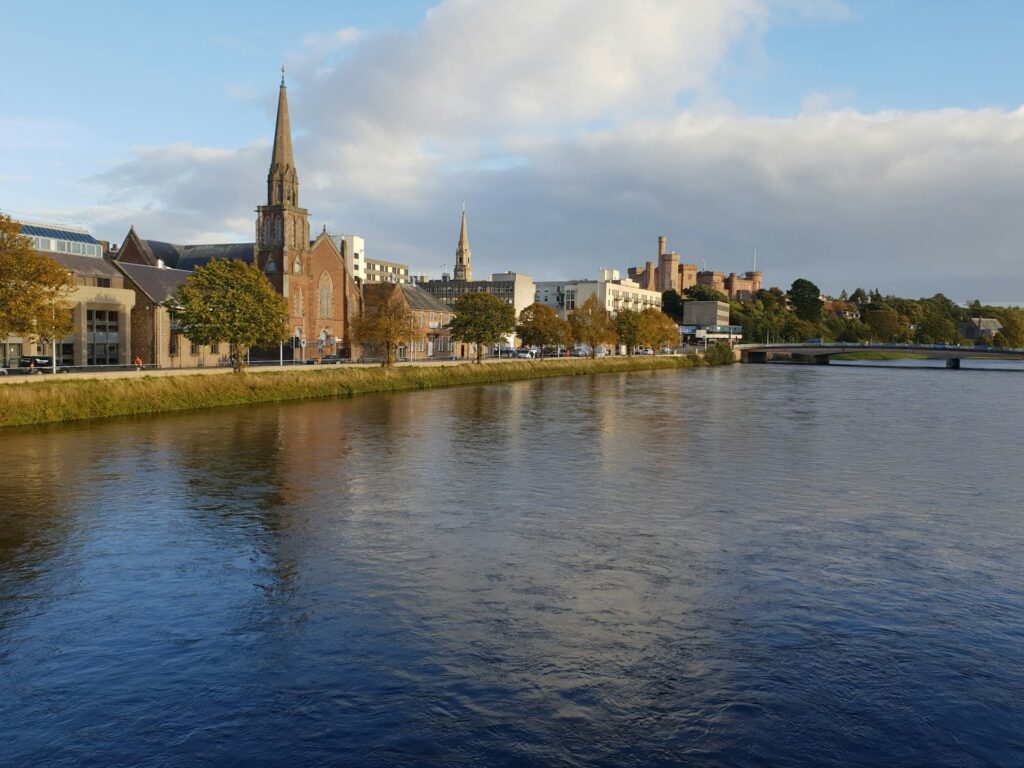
(59, 400)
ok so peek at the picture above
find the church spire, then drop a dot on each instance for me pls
(283, 180)
(463, 254)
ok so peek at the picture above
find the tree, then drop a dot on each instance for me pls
(386, 322)
(672, 304)
(627, 327)
(540, 326)
(883, 323)
(657, 330)
(703, 293)
(858, 296)
(720, 353)
(481, 319)
(806, 300)
(34, 289)
(592, 325)
(228, 300)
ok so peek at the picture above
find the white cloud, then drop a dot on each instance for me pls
(557, 122)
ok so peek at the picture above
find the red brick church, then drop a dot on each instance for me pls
(323, 298)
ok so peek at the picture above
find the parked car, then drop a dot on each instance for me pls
(39, 364)
(332, 359)
(526, 352)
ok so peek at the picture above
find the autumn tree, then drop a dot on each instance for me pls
(627, 328)
(481, 319)
(592, 325)
(34, 289)
(884, 323)
(657, 330)
(539, 325)
(228, 300)
(386, 322)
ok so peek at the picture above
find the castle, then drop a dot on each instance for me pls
(668, 274)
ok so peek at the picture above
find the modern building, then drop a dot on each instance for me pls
(100, 303)
(667, 273)
(611, 289)
(323, 297)
(708, 320)
(365, 269)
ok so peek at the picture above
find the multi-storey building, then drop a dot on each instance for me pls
(100, 303)
(430, 316)
(611, 289)
(367, 270)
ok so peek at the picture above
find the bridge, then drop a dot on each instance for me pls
(820, 353)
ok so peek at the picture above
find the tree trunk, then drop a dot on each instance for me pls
(479, 354)
(239, 364)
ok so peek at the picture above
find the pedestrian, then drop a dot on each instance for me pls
(138, 363)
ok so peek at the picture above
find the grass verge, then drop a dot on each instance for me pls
(76, 400)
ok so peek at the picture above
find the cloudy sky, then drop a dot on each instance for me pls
(868, 142)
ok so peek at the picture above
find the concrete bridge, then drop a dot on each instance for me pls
(820, 353)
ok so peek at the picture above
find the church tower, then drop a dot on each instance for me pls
(282, 227)
(463, 255)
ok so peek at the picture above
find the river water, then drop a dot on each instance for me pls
(755, 565)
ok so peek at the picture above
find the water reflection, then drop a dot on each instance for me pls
(748, 566)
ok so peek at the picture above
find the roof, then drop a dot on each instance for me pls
(92, 266)
(189, 257)
(71, 235)
(156, 282)
(419, 299)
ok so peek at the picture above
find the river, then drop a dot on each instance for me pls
(744, 566)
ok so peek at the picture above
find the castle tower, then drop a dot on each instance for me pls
(282, 227)
(463, 254)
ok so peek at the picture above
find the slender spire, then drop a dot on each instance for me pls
(282, 157)
(463, 254)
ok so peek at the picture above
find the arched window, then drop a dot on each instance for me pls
(297, 265)
(325, 296)
(271, 264)
(297, 303)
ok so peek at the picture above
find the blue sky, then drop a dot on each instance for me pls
(592, 126)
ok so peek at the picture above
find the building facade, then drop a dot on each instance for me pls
(430, 316)
(365, 269)
(668, 273)
(613, 291)
(323, 297)
(708, 321)
(100, 303)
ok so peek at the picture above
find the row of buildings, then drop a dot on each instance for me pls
(120, 294)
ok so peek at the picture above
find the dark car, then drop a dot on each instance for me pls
(39, 364)
(329, 360)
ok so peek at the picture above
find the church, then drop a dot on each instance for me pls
(323, 298)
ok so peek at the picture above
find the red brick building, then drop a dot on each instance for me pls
(323, 298)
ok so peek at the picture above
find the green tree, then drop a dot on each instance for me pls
(806, 300)
(628, 327)
(228, 300)
(672, 304)
(386, 323)
(883, 323)
(859, 296)
(481, 319)
(720, 353)
(703, 293)
(591, 325)
(540, 326)
(34, 289)
(657, 330)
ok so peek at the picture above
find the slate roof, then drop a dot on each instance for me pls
(157, 283)
(421, 300)
(91, 266)
(189, 257)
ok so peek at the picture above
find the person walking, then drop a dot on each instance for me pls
(138, 363)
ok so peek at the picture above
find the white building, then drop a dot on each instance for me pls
(365, 269)
(613, 291)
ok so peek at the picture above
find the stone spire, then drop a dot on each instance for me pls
(463, 254)
(283, 180)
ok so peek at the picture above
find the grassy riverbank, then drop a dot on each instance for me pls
(76, 399)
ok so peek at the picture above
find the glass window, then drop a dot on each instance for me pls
(103, 282)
